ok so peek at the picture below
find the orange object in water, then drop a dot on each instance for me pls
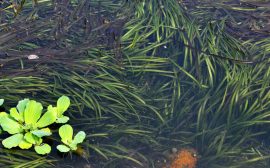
(185, 158)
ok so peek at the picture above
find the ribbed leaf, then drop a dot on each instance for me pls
(73, 146)
(79, 137)
(62, 120)
(12, 141)
(43, 149)
(31, 138)
(25, 145)
(32, 112)
(3, 115)
(51, 108)
(22, 104)
(66, 133)
(42, 132)
(47, 119)
(62, 105)
(1, 102)
(63, 148)
(15, 114)
(9, 125)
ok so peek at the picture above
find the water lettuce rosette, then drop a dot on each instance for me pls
(70, 143)
(27, 126)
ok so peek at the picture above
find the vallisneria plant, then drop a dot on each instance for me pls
(66, 134)
(28, 126)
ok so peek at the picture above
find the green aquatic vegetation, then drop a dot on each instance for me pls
(17, 6)
(219, 120)
(1, 102)
(28, 126)
(62, 106)
(66, 134)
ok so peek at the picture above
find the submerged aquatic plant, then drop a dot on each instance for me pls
(146, 79)
(66, 134)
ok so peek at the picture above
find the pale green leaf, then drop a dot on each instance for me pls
(21, 105)
(1, 102)
(63, 148)
(3, 115)
(62, 105)
(25, 145)
(39, 141)
(43, 149)
(31, 138)
(66, 133)
(79, 137)
(73, 146)
(42, 132)
(51, 108)
(15, 114)
(10, 125)
(32, 112)
(62, 119)
(47, 119)
(12, 141)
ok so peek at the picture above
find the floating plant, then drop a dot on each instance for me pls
(28, 126)
(1, 102)
(66, 134)
(62, 105)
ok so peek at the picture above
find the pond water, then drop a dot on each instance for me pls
(153, 84)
